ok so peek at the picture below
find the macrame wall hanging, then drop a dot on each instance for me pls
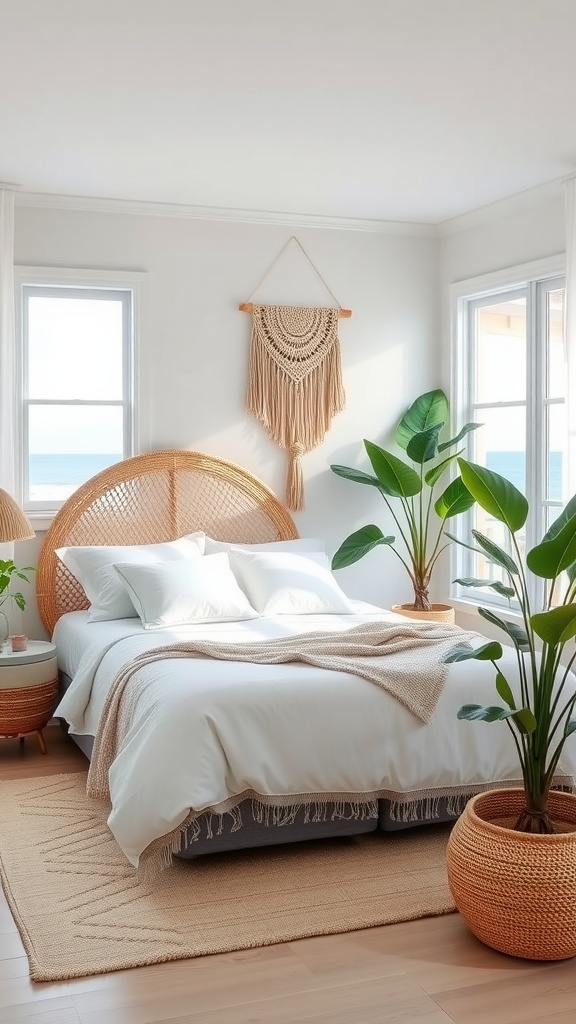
(295, 375)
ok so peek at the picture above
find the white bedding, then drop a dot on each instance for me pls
(205, 731)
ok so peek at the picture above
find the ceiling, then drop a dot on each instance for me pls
(396, 110)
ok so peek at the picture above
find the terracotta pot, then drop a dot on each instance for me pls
(516, 891)
(438, 612)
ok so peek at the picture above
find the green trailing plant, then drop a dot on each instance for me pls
(538, 708)
(409, 491)
(9, 571)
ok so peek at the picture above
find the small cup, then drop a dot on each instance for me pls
(19, 642)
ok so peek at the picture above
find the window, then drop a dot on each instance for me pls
(76, 374)
(510, 377)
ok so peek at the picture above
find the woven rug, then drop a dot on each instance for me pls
(81, 909)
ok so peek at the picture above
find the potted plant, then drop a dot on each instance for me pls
(8, 572)
(409, 491)
(512, 854)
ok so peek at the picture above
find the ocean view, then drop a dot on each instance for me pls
(512, 465)
(57, 476)
(67, 469)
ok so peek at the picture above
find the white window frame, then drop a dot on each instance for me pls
(87, 281)
(462, 296)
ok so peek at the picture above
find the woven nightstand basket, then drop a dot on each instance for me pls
(516, 891)
(27, 709)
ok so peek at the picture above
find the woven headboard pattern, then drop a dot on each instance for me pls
(152, 498)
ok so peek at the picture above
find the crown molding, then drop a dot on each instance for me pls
(502, 207)
(96, 204)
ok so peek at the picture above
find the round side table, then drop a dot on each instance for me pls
(28, 690)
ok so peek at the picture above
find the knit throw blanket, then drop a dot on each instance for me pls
(295, 381)
(404, 659)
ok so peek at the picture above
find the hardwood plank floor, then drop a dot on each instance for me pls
(431, 971)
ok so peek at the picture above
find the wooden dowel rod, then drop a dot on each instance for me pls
(247, 307)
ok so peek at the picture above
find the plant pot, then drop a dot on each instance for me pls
(516, 890)
(438, 612)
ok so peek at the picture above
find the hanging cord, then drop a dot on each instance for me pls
(314, 268)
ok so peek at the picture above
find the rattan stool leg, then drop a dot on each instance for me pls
(41, 741)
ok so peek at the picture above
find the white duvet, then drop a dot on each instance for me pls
(206, 731)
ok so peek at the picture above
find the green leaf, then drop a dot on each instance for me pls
(505, 691)
(423, 447)
(502, 589)
(570, 727)
(495, 553)
(555, 626)
(462, 433)
(567, 512)
(488, 652)
(525, 721)
(523, 717)
(359, 544)
(557, 525)
(551, 557)
(495, 494)
(434, 474)
(495, 585)
(483, 713)
(20, 601)
(395, 476)
(462, 543)
(455, 500)
(356, 475)
(426, 411)
(515, 632)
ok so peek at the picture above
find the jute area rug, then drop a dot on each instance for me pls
(81, 909)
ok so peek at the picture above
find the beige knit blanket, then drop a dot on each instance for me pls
(405, 659)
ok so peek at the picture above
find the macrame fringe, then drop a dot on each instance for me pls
(413, 807)
(294, 390)
(427, 808)
(314, 811)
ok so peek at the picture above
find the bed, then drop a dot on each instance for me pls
(225, 755)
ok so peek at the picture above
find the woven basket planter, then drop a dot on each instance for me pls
(516, 891)
(438, 612)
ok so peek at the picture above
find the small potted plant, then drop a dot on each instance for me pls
(409, 491)
(512, 854)
(9, 571)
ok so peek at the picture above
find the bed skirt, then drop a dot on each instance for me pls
(253, 824)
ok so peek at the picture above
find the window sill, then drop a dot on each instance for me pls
(467, 607)
(40, 521)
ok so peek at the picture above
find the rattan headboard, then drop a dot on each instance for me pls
(152, 498)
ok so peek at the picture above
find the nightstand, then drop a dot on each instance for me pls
(28, 690)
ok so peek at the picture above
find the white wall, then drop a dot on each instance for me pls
(194, 346)
(506, 235)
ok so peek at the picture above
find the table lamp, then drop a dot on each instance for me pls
(13, 523)
(13, 526)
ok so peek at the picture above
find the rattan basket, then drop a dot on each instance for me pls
(27, 709)
(437, 613)
(516, 891)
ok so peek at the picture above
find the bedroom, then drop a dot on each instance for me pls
(118, 173)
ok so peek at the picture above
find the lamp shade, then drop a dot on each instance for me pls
(13, 523)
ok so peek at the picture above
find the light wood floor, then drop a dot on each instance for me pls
(430, 972)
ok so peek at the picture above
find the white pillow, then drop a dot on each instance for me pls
(287, 583)
(175, 593)
(298, 544)
(93, 568)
